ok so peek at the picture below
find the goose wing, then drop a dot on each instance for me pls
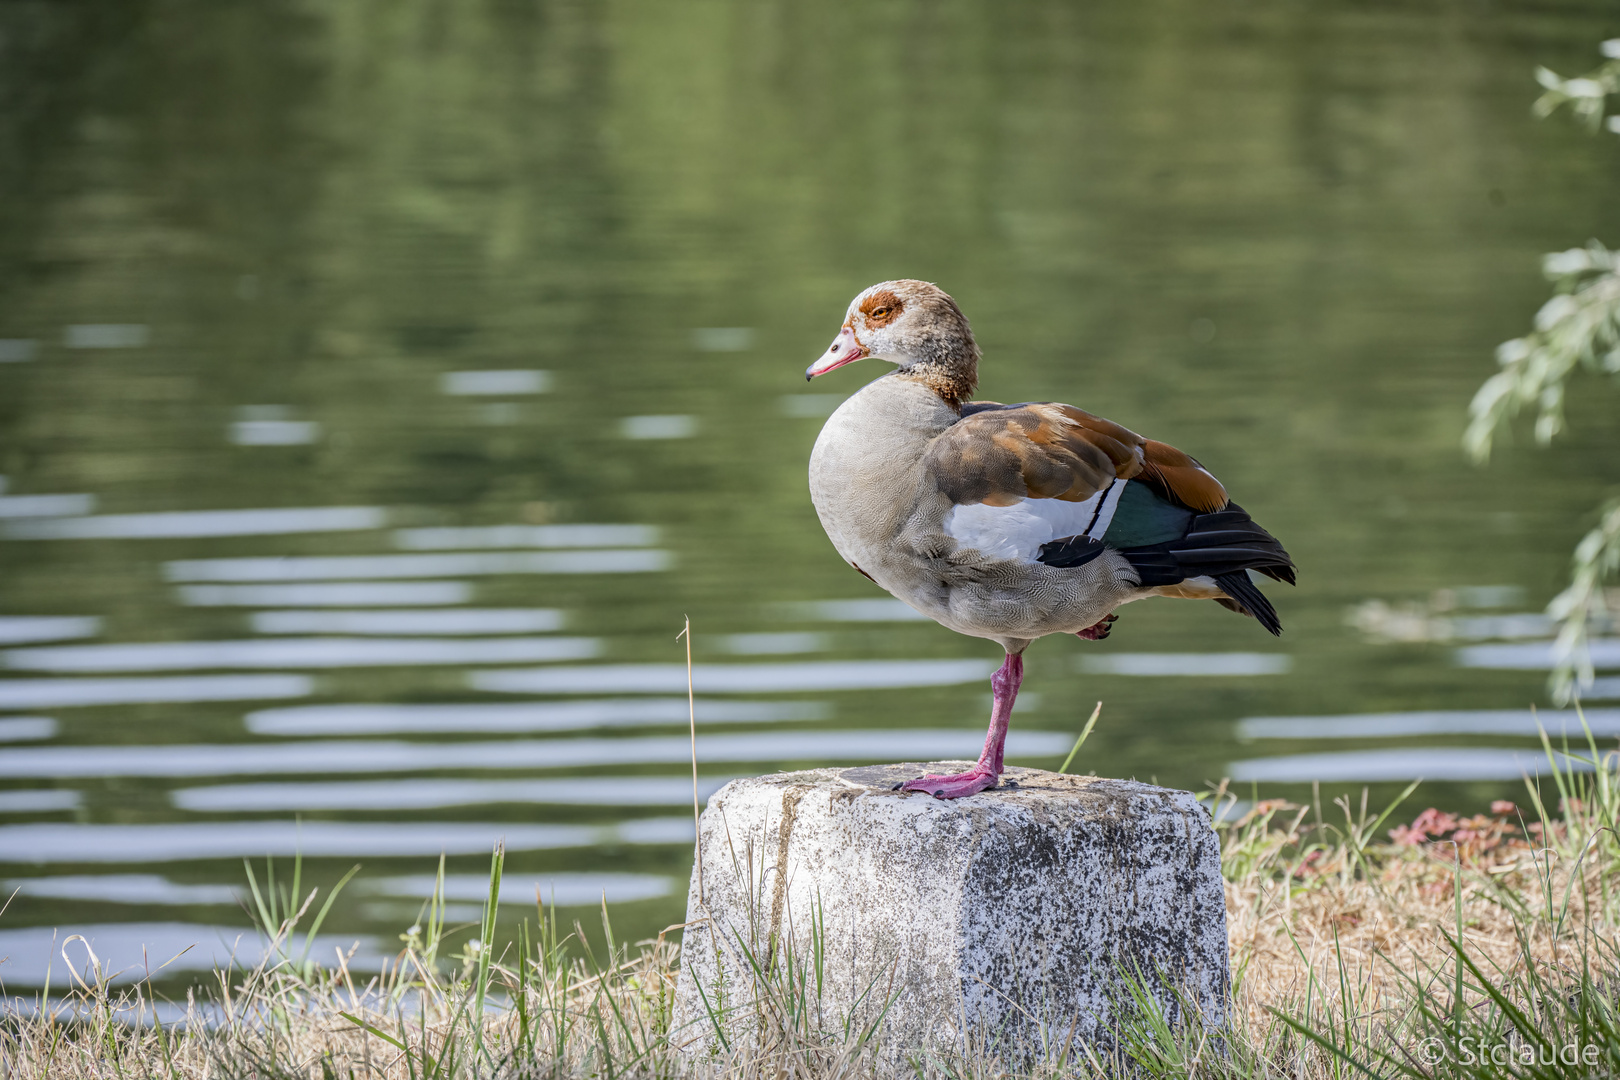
(1049, 483)
(1000, 455)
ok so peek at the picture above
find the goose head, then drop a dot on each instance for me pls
(912, 324)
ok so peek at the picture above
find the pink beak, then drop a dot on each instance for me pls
(845, 350)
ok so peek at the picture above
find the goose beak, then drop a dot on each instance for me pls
(845, 350)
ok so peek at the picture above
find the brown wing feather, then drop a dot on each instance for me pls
(1000, 454)
(1181, 477)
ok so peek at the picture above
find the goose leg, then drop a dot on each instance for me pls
(983, 776)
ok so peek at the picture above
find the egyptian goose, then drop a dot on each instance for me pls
(1011, 522)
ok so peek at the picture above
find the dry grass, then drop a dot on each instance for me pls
(1378, 948)
(1357, 949)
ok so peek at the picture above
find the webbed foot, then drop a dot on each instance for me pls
(952, 787)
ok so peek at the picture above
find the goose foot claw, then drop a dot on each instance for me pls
(1097, 631)
(952, 787)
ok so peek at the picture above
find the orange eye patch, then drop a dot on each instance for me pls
(882, 308)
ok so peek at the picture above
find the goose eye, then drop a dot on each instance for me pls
(880, 313)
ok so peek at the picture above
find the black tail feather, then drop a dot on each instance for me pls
(1224, 546)
(1250, 600)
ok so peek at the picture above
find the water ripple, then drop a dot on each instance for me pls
(319, 652)
(200, 523)
(340, 756)
(427, 794)
(735, 678)
(62, 693)
(457, 564)
(392, 719)
(1447, 722)
(51, 842)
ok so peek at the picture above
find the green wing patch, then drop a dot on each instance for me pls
(1142, 519)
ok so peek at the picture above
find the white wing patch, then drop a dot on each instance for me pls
(1017, 532)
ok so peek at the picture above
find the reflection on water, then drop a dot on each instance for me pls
(336, 756)
(18, 629)
(1155, 664)
(460, 564)
(455, 621)
(134, 952)
(528, 717)
(495, 383)
(199, 523)
(774, 644)
(346, 399)
(1603, 689)
(25, 801)
(1487, 627)
(864, 610)
(105, 335)
(46, 506)
(423, 794)
(26, 728)
(1539, 656)
(268, 425)
(678, 426)
(563, 890)
(125, 889)
(328, 594)
(735, 679)
(59, 693)
(522, 536)
(318, 652)
(1428, 763)
(186, 841)
(1558, 725)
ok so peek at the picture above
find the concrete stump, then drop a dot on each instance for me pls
(1002, 921)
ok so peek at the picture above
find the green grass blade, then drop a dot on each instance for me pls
(497, 863)
(1085, 733)
(320, 916)
(374, 1030)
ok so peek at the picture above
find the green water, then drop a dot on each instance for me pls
(1285, 237)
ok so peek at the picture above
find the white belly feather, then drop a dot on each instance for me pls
(1017, 532)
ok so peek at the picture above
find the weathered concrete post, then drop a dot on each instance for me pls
(1002, 920)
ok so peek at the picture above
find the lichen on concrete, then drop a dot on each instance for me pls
(1004, 919)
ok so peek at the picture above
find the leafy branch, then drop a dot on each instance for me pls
(1578, 328)
(1582, 604)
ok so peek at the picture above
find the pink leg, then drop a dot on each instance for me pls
(983, 776)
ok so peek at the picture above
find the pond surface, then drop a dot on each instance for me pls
(381, 384)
